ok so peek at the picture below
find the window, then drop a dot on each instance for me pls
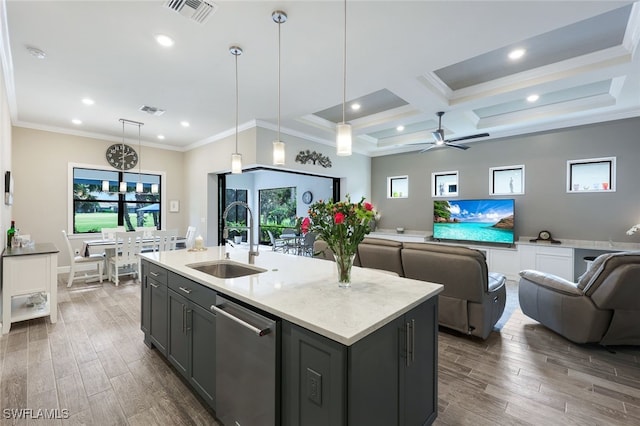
(591, 175)
(94, 209)
(278, 208)
(444, 184)
(507, 180)
(398, 187)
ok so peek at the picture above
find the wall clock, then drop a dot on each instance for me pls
(307, 197)
(115, 157)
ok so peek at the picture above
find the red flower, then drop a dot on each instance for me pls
(304, 226)
(368, 206)
(338, 218)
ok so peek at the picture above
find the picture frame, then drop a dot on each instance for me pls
(506, 180)
(174, 206)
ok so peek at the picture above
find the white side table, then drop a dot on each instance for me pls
(26, 271)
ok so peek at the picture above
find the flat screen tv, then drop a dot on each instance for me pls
(487, 221)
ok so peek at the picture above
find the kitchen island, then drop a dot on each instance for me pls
(362, 355)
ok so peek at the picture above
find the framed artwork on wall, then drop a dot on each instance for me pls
(591, 175)
(444, 184)
(506, 180)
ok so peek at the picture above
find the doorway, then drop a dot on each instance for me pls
(303, 190)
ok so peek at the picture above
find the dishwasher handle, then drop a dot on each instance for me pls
(259, 332)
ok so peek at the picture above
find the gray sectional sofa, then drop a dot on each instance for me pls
(472, 300)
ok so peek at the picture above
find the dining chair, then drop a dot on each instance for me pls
(277, 244)
(190, 237)
(95, 261)
(306, 246)
(291, 240)
(148, 231)
(128, 248)
(110, 233)
(165, 240)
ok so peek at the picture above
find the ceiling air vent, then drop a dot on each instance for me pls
(152, 110)
(196, 10)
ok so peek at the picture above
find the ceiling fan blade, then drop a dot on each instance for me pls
(464, 138)
(426, 149)
(455, 145)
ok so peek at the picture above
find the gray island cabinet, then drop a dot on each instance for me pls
(360, 356)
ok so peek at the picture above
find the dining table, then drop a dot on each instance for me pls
(110, 244)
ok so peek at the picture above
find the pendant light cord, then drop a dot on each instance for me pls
(344, 69)
(139, 157)
(122, 145)
(237, 97)
(279, 25)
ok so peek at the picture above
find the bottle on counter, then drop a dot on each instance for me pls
(10, 233)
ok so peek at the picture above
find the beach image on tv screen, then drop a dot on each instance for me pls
(474, 220)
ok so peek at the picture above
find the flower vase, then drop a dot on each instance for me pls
(344, 264)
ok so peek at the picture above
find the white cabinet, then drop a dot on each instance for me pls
(503, 260)
(25, 272)
(549, 259)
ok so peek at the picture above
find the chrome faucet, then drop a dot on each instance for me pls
(225, 232)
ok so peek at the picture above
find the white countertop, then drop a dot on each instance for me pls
(584, 244)
(305, 291)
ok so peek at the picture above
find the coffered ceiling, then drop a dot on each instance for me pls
(405, 62)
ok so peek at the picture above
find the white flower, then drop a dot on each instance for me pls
(634, 229)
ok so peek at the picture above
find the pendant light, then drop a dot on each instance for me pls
(122, 188)
(279, 17)
(236, 157)
(343, 130)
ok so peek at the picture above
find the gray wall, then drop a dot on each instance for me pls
(545, 204)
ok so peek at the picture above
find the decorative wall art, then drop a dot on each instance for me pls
(312, 157)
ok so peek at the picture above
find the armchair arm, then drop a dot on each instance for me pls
(552, 282)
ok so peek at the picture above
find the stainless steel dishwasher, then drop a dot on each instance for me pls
(246, 366)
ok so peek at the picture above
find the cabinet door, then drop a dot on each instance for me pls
(158, 314)
(178, 345)
(202, 328)
(418, 376)
(313, 379)
(145, 301)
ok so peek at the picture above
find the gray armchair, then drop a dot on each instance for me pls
(603, 306)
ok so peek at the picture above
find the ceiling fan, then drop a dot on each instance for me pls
(438, 137)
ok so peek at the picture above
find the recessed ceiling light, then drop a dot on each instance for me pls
(533, 98)
(516, 54)
(160, 137)
(76, 121)
(164, 40)
(185, 124)
(88, 101)
(34, 51)
(355, 106)
(400, 128)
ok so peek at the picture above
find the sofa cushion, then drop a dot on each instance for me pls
(462, 271)
(381, 254)
(496, 280)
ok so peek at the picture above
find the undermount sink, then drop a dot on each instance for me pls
(226, 269)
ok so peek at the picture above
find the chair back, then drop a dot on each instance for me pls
(191, 236)
(69, 248)
(148, 231)
(110, 233)
(271, 238)
(165, 240)
(129, 245)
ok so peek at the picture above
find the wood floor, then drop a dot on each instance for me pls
(94, 364)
